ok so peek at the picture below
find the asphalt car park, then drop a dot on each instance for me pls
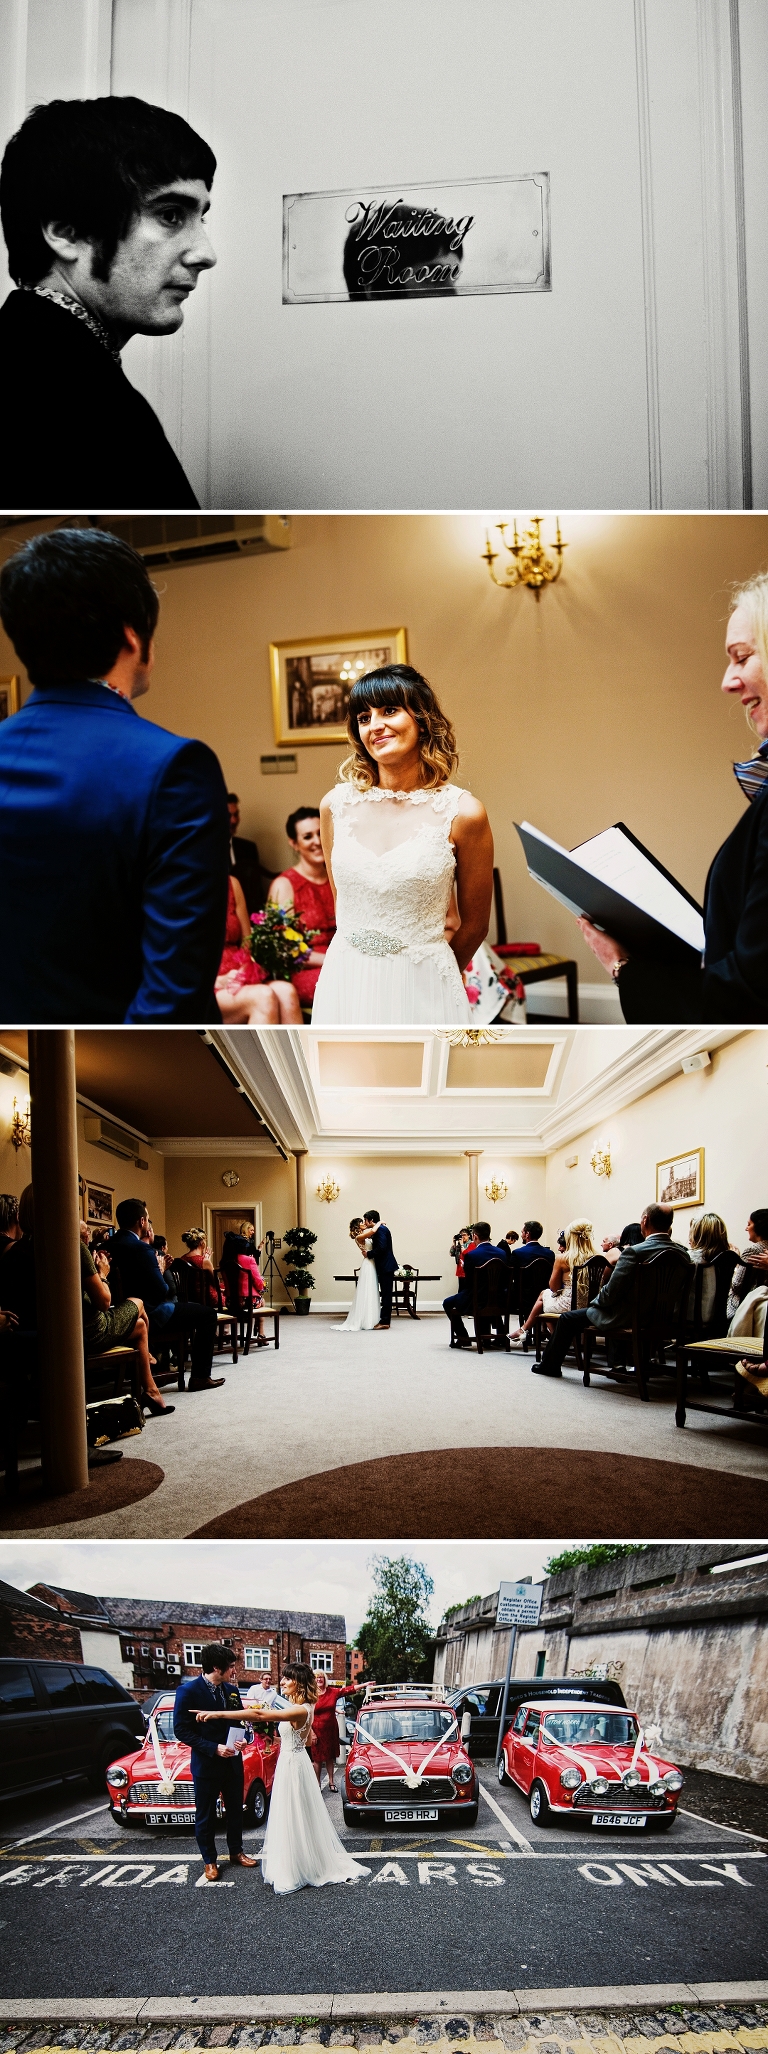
(88, 1910)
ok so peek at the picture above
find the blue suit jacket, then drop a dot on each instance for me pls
(140, 1272)
(114, 854)
(194, 1695)
(381, 1250)
(486, 1251)
(529, 1251)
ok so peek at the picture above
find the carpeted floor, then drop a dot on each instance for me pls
(509, 1493)
(109, 1489)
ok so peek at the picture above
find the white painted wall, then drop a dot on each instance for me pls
(423, 1200)
(102, 1651)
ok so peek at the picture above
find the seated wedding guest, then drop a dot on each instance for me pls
(531, 1246)
(628, 1238)
(707, 1237)
(244, 859)
(199, 1257)
(578, 1248)
(755, 1255)
(511, 1238)
(305, 889)
(17, 1267)
(141, 1274)
(110, 827)
(10, 1230)
(105, 1324)
(244, 1278)
(732, 983)
(246, 997)
(612, 1306)
(482, 1250)
(103, 205)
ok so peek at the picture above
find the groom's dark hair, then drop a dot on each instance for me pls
(216, 1656)
(375, 1216)
(483, 1230)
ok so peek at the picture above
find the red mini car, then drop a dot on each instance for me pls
(133, 1781)
(590, 1761)
(407, 1762)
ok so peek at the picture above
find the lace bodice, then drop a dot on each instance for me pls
(293, 1739)
(394, 866)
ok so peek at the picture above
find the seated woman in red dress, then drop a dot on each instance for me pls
(244, 995)
(305, 887)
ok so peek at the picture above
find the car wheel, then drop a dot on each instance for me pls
(256, 1804)
(502, 1771)
(539, 1805)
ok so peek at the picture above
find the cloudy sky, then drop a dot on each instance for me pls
(306, 1576)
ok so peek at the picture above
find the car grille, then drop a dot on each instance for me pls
(394, 1790)
(619, 1800)
(149, 1793)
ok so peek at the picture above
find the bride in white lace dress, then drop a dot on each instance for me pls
(301, 1846)
(400, 840)
(365, 1311)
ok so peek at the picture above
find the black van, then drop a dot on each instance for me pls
(59, 1721)
(483, 1702)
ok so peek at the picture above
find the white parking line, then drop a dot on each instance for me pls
(60, 1827)
(506, 1823)
(721, 1828)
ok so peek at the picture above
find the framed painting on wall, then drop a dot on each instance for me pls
(10, 696)
(312, 680)
(99, 1204)
(680, 1180)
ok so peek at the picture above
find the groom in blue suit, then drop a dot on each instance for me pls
(216, 1768)
(114, 834)
(386, 1264)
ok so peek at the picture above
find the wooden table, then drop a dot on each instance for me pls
(730, 1348)
(538, 969)
(410, 1286)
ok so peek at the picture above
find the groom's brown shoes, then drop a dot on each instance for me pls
(243, 1861)
(382, 1327)
(211, 1872)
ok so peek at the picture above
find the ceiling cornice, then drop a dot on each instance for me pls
(213, 1144)
(634, 1074)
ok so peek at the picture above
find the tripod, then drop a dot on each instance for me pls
(270, 1266)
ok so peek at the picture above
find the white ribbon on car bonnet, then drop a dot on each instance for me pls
(165, 1787)
(413, 1777)
(588, 1768)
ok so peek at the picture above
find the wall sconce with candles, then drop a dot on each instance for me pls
(21, 1127)
(600, 1162)
(531, 564)
(495, 1191)
(327, 1191)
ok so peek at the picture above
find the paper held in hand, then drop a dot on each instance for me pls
(620, 887)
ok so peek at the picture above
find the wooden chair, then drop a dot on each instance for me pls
(195, 1287)
(533, 1278)
(594, 1269)
(722, 1266)
(490, 1304)
(402, 1287)
(247, 1309)
(657, 1318)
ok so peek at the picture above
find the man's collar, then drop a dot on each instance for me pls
(72, 305)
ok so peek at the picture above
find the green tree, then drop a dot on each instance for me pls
(595, 1552)
(395, 1632)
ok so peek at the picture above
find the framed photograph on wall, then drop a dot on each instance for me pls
(312, 680)
(10, 696)
(680, 1180)
(99, 1204)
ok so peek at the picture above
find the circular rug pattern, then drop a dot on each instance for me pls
(110, 1488)
(504, 1494)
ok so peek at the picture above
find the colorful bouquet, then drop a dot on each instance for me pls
(279, 940)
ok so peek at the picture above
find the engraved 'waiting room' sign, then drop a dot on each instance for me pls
(418, 241)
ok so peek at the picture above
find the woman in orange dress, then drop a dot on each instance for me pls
(244, 994)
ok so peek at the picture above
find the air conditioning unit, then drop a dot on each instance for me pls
(194, 538)
(174, 1668)
(104, 1134)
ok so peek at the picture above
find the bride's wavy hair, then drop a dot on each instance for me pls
(397, 684)
(304, 1679)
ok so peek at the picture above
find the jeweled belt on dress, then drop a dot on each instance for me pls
(374, 941)
(371, 941)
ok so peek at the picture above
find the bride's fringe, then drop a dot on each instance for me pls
(397, 684)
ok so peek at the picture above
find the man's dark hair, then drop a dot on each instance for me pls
(66, 598)
(129, 1212)
(374, 1216)
(533, 1228)
(512, 1235)
(159, 1241)
(232, 799)
(216, 1656)
(9, 1211)
(301, 813)
(659, 1218)
(631, 1235)
(760, 1221)
(483, 1230)
(91, 164)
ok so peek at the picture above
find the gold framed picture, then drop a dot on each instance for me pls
(680, 1180)
(10, 696)
(312, 680)
(99, 1204)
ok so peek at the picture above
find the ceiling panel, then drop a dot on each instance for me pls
(499, 1066)
(370, 1065)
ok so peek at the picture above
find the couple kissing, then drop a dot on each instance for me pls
(372, 1305)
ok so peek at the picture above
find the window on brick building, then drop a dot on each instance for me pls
(193, 1653)
(322, 1664)
(257, 1658)
(128, 1649)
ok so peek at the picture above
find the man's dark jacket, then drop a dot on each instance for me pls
(195, 1695)
(733, 985)
(380, 1248)
(114, 856)
(475, 1259)
(248, 871)
(613, 1305)
(140, 1272)
(528, 1251)
(77, 436)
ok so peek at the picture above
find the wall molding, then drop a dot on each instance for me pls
(655, 491)
(724, 273)
(741, 254)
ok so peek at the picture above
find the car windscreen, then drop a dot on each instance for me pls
(164, 1724)
(596, 1729)
(409, 1722)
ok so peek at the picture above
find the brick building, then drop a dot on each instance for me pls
(30, 1627)
(162, 1640)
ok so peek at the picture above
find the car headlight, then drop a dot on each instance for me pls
(462, 1773)
(656, 1790)
(673, 1780)
(599, 1785)
(632, 1780)
(360, 1776)
(118, 1778)
(571, 1778)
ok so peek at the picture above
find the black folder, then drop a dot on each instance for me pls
(639, 932)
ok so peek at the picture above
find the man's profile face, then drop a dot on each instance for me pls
(233, 809)
(155, 267)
